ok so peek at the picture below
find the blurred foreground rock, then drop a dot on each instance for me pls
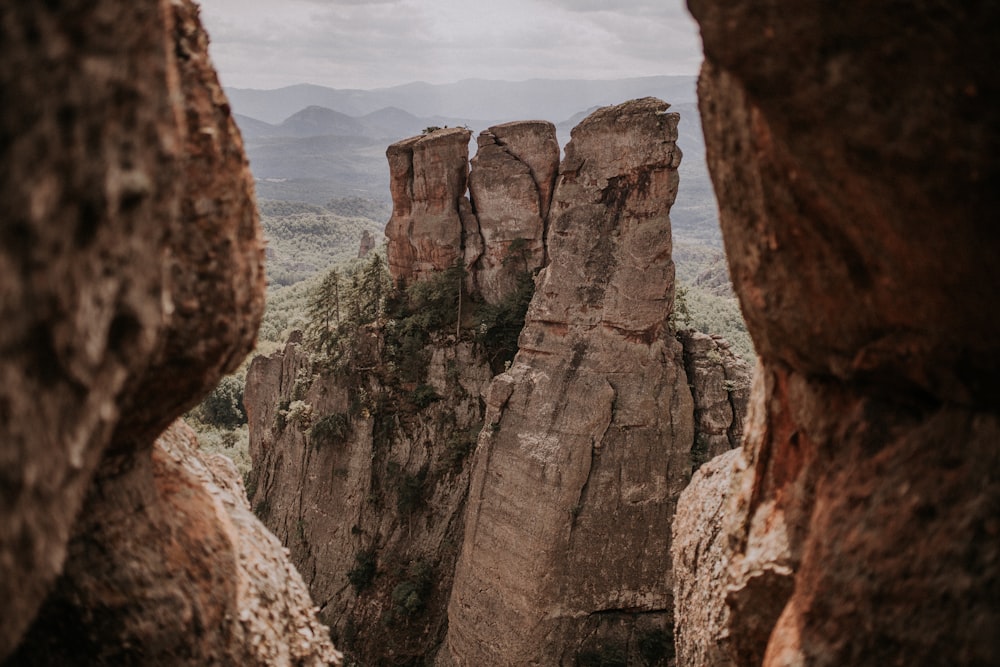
(132, 281)
(856, 185)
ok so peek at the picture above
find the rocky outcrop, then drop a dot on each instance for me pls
(511, 182)
(869, 497)
(131, 273)
(720, 386)
(193, 578)
(361, 459)
(589, 433)
(427, 180)
(365, 482)
(699, 566)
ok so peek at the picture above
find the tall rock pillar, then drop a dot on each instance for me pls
(588, 435)
(427, 180)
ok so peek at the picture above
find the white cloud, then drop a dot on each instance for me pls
(375, 43)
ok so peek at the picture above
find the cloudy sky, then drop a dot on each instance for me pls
(377, 43)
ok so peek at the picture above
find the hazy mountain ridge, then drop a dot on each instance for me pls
(549, 99)
(310, 143)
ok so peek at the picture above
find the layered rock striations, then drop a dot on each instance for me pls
(132, 280)
(863, 527)
(589, 433)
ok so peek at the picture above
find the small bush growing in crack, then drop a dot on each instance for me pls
(363, 573)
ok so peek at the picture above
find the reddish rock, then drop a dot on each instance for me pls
(132, 280)
(856, 199)
(91, 180)
(188, 576)
(510, 184)
(427, 179)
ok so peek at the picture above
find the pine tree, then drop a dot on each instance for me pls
(324, 310)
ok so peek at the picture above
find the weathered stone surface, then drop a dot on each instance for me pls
(589, 433)
(720, 387)
(91, 176)
(189, 577)
(699, 566)
(131, 274)
(427, 178)
(511, 184)
(858, 242)
(387, 489)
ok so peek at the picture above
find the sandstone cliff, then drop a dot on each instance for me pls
(583, 444)
(863, 528)
(128, 209)
(366, 487)
(427, 180)
(591, 429)
(511, 182)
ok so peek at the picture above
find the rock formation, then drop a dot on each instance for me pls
(427, 180)
(193, 578)
(128, 209)
(367, 488)
(590, 431)
(720, 389)
(367, 244)
(511, 184)
(855, 186)
(699, 566)
(583, 444)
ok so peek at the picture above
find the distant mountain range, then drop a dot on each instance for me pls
(546, 99)
(311, 144)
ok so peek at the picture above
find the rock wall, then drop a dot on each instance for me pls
(588, 435)
(128, 208)
(869, 497)
(699, 566)
(510, 185)
(370, 511)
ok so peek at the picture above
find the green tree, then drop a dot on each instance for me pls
(223, 407)
(373, 288)
(324, 309)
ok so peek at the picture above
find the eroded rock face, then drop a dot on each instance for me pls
(699, 566)
(131, 272)
(589, 433)
(194, 578)
(511, 182)
(90, 185)
(562, 516)
(371, 508)
(866, 279)
(427, 180)
(720, 387)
